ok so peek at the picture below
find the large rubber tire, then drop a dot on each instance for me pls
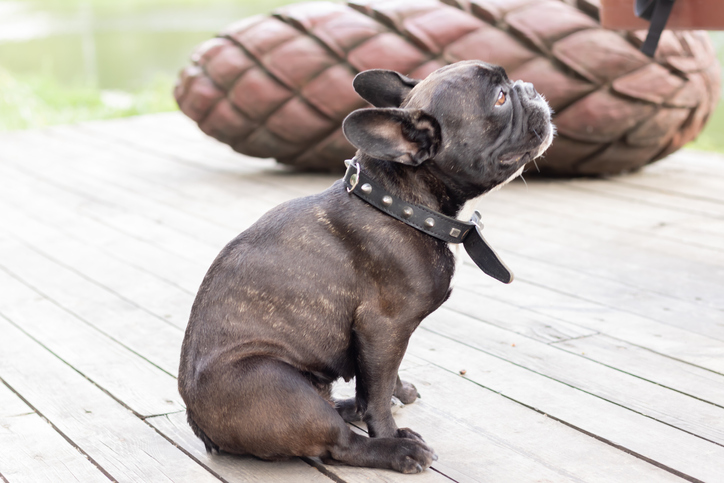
(279, 86)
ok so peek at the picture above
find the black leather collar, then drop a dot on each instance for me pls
(428, 221)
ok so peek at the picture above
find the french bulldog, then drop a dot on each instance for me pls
(328, 286)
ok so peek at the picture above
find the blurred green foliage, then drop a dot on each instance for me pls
(36, 100)
(66, 61)
(110, 6)
(712, 137)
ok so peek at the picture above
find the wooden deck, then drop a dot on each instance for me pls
(602, 362)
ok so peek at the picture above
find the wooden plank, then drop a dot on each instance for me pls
(666, 226)
(56, 221)
(610, 293)
(562, 210)
(679, 182)
(635, 259)
(174, 139)
(177, 134)
(672, 408)
(513, 426)
(674, 342)
(193, 188)
(469, 450)
(143, 387)
(67, 209)
(112, 203)
(678, 452)
(229, 169)
(244, 468)
(666, 276)
(97, 308)
(147, 290)
(130, 199)
(119, 442)
(134, 199)
(640, 362)
(702, 285)
(32, 451)
(510, 317)
(267, 182)
(639, 197)
(231, 467)
(705, 163)
(180, 141)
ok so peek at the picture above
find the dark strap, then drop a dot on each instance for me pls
(483, 254)
(428, 221)
(657, 12)
(424, 219)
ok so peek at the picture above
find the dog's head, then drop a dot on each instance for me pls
(476, 127)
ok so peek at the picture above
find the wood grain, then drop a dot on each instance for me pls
(603, 361)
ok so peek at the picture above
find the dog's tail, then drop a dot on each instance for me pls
(210, 445)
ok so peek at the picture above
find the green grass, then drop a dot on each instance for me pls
(119, 6)
(37, 101)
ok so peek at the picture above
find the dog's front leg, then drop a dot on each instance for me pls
(380, 348)
(350, 412)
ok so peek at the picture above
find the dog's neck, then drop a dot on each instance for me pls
(421, 185)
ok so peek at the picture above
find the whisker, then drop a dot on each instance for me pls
(524, 181)
(536, 165)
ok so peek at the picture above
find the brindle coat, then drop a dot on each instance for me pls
(328, 287)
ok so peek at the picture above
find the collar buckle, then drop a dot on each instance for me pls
(351, 177)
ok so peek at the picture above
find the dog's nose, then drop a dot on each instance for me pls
(527, 89)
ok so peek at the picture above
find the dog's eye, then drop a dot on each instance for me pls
(501, 99)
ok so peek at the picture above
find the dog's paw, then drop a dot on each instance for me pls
(406, 392)
(347, 408)
(413, 456)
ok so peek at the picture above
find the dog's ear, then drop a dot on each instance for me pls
(408, 136)
(383, 88)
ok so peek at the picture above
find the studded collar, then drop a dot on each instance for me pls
(428, 221)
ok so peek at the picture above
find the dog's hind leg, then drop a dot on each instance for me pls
(267, 408)
(210, 445)
(405, 391)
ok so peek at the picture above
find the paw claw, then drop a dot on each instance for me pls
(414, 456)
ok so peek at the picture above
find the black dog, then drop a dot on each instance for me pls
(328, 286)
